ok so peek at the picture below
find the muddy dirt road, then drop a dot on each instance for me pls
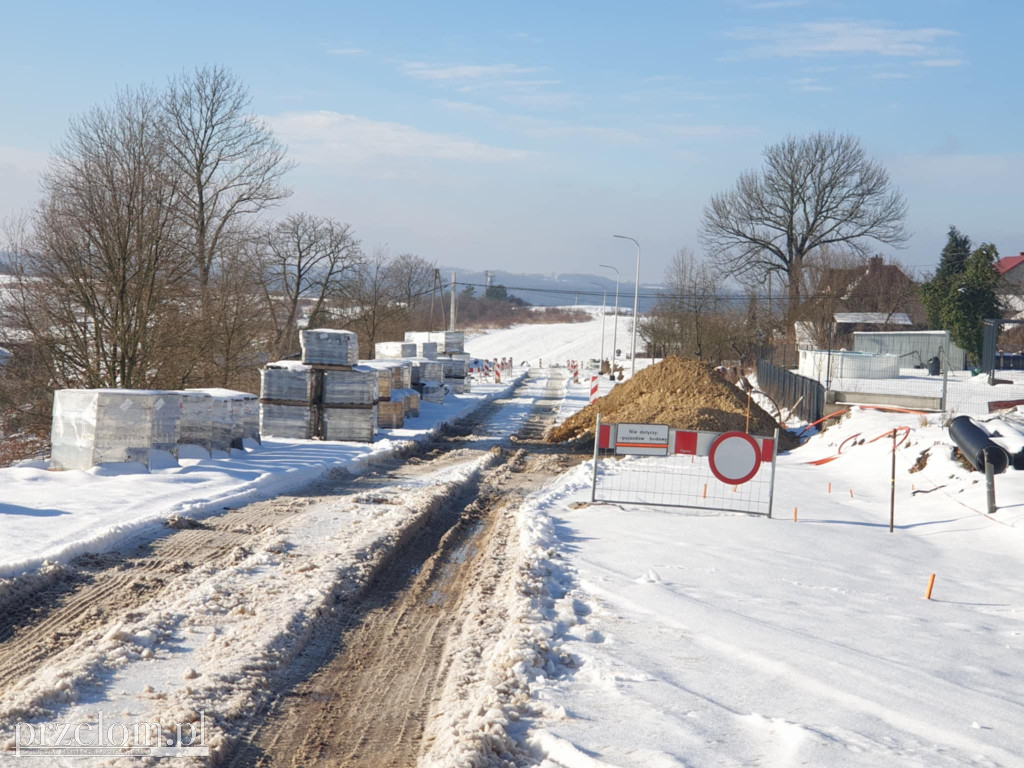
(369, 679)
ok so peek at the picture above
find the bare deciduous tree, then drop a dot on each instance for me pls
(101, 285)
(304, 260)
(231, 163)
(813, 192)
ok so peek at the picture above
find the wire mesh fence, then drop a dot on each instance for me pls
(712, 472)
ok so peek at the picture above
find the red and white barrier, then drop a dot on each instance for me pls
(593, 388)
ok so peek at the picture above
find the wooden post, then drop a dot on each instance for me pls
(748, 411)
(990, 486)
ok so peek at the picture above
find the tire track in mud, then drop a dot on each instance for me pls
(43, 618)
(363, 692)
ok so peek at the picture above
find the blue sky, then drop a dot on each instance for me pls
(521, 136)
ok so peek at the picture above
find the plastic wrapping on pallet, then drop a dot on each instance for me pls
(98, 426)
(391, 414)
(391, 350)
(242, 412)
(385, 376)
(165, 429)
(424, 346)
(454, 367)
(411, 399)
(458, 386)
(285, 421)
(357, 425)
(355, 387)
(431, 391)
(326, 346)
(196, 423)
(446, 341)
(426, 370)
(286, 380)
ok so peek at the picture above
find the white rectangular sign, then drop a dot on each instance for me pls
(641, 440)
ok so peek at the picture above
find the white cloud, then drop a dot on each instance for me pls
(941, 63)
(423, 71)
(347, 52)
(809, 85)
(839, 37)
(325, 137)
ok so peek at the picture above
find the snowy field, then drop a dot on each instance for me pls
(555, 343)
(689, 639)
(965, 393)
(54, 516)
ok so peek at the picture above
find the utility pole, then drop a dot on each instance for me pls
(451, 315)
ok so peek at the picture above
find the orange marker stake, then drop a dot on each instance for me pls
(830, 487)
(931, 583)
(794, 514)
(851, 493)
(735, 488)
(705, 490)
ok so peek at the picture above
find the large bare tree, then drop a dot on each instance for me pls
(231, 164)
(304, 260)
(101, 287)
(821, 190)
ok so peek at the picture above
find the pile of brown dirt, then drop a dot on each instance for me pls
(684, 394)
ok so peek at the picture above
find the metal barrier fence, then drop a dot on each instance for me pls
(655, 465)
(802, 396)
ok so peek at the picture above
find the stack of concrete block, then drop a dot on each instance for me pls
(102, 426)
(428, 379)
(449, 341)
(393, 350)
(424, 346)
(456, 373)
(410, 399)
(236, 417)
(325, 346)
(286, 390)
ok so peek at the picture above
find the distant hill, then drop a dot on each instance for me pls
(556, 289)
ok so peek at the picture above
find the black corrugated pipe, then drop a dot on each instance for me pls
(976, 446)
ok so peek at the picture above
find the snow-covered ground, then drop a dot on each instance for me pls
(556, 343)
(54, 516)
(680, 638)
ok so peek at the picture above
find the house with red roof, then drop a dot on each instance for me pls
(1012, 270)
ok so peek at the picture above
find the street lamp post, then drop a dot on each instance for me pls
(636, 301)
(615, 324)
(604, 303)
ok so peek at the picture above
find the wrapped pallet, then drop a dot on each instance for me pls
(349, 424)
(385, 378)
(286, 380)
(406, 375)
(411, 400)
(392, 350)
(326, 346)
(290, 422)
(391, 414)
(196, 421)
(101, 426)
(285, 395)
(449, 341)
(430, 391)
(243, 416)
(424, 369)
(356, 387)
(165, 433)
(424, 346)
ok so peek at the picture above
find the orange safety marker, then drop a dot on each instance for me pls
(794, 514)
(851, 493)
(830, 487)
(931, 583)
(705, 490)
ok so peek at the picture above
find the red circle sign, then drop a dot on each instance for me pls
(734, 457)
